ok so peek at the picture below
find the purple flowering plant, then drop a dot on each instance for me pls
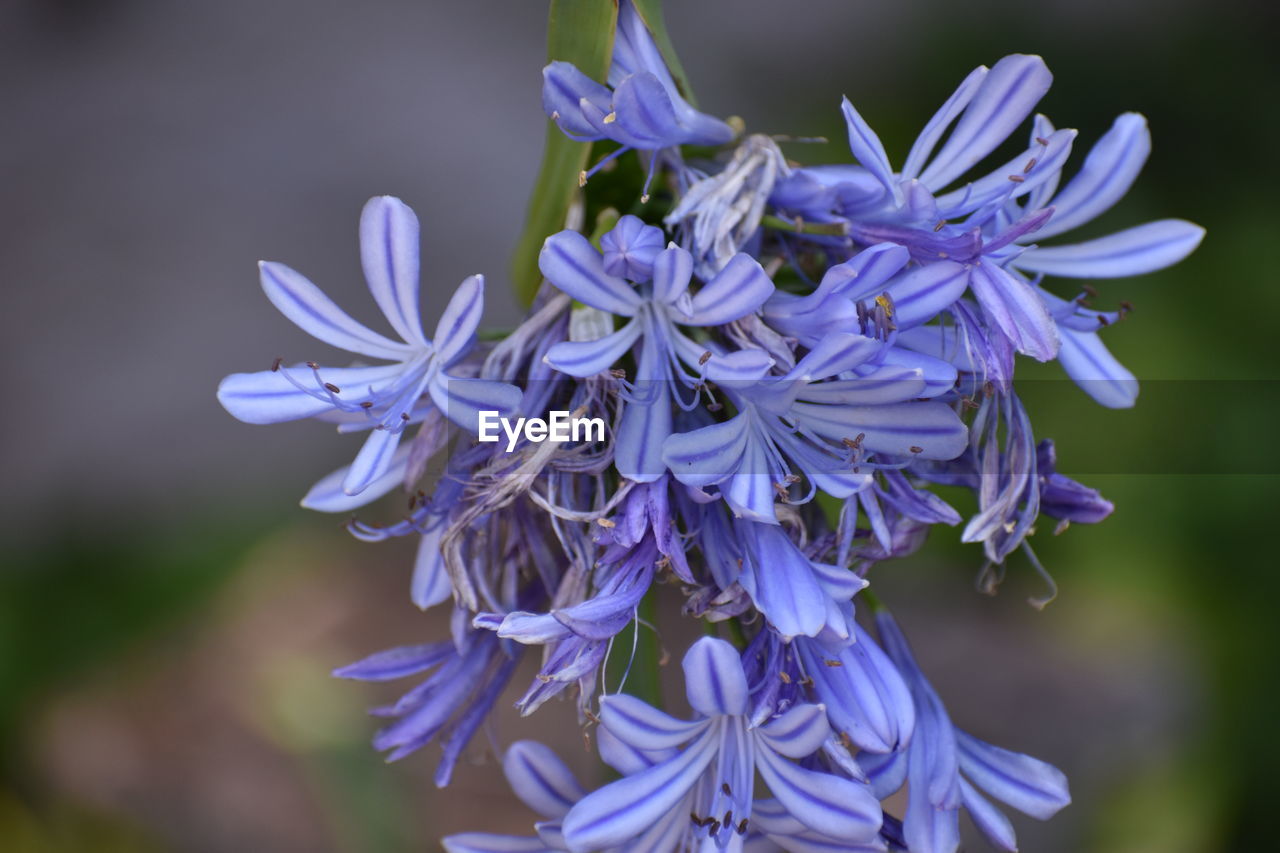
(773, 366)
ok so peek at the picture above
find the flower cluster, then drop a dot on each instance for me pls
(785, 360)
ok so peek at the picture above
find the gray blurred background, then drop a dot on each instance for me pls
(168, 615)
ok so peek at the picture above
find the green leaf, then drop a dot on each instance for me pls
(581, 32)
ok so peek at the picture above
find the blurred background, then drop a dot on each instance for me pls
(169, 616)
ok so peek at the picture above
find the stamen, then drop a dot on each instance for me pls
(333, 389)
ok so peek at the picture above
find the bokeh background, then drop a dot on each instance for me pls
(168, 616)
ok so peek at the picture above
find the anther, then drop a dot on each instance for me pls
(582, 178)
(275, 365)
(1062, 527)
(742, 827)
(1042, 140)
(404, 416)
(1031, 164)
(724, 786)
(618, 373)
(942, 223)
(332, 389)
(644, 199)
(610, 118)
(854, 443)
(367, 404)
(1017, 179)
(786, 679)
(727, 820)
(697, 821)
(1102, 320)
(313, 365)
(606, 523)
(704, 358)
(914, 449)
(792, 478)
(714, 407)
(833, 663)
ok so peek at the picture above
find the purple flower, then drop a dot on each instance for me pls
(712, 778)
(655, 309)
(640, 109)
(820, 428)
(382, 399)
(451, 703)
(944, 768)
(1109, 170)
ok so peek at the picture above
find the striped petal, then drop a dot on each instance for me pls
(1110, 169)
(1134, 251)
(626, 808)
(642, 726)
(993, 823)
(373, 461)
(1028, 784)
(1015, 308)
(462, 400)
(317, 315)
(869, 150)
(573, 265)
(540, 779)
(485, 842)
(708, 455)
(645, 117)
(1098, 373)
(737, 290)
(430, 584)
(389, 256)
(396, 663)
(797, 733)
(672, 270)
(563, 88)
(456, 330)
(328, 496)
(590, 358)
(894, 429)
(830, 805)
(941, 120)
(924, 292)
(1005, 97)
(713, 678)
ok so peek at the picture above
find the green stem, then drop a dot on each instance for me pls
(799, 226)
(644, 678)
